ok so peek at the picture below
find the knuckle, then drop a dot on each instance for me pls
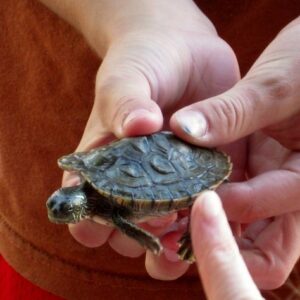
(115, 97)
(255, 211)
(269, 87)
(251, 209)
(277, 87)
(105, 86)
(255, 97)
(275, 270)
(231, 112)
(252, 212)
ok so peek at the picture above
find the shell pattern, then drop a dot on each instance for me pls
(155, 172)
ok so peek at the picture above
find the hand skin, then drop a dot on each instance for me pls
(152, 66)
(221, 267)
(264, 105)
(155, 66)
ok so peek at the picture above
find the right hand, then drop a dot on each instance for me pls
(159, 57)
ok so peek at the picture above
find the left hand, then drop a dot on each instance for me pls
(265, 104)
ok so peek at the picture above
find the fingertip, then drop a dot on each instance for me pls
(159, 267)
(207, 206)
(124, 245)
(135, 117)
(89, 233)
(205, 219)
(163, 221)
(219, 262)
(141, 122)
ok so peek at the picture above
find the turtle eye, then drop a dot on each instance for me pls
(63, 207)
(57, 208)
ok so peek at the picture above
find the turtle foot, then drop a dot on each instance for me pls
(185, 251)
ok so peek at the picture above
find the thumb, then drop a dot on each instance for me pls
(242, 110)
(221, 267)
(123, 101)
(267, 95)
(122, 105)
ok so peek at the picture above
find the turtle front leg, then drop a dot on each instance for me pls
(144, 238)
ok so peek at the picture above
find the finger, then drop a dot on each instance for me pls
(163, 268)
(90, 234)
(274, 251)
(269, 194)
(123, 97)
(125, 245)
(221, 267)
(238, 156)
(162, 222)
(87, 232)
(268, 94)
(251, 232)
(94, 136)
(167, 266)
(122, 104)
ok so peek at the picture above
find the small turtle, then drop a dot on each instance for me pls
(134, 179)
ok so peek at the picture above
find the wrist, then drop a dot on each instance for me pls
(79, 14)
(104, 21)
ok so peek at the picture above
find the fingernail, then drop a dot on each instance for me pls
(192, 122)
(210, 205)
(138, 113)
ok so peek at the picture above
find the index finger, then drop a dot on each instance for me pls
(223, 272)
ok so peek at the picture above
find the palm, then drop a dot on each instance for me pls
(266, 154)
(273, 178)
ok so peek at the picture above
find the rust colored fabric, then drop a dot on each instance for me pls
(47, 76)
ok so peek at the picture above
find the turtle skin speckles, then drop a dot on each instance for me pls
(134, 179)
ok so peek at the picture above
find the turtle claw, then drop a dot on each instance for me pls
(185, 251)
(154, 246)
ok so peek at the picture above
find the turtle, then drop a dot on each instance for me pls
(134, 179)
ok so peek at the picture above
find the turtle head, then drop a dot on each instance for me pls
(67, 205)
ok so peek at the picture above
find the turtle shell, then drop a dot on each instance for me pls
(154, 172)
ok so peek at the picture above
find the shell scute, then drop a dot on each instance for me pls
(158, 171)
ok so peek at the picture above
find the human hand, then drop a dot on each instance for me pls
(159, 57)
(265, 105)
(221, 267)
(169, 80)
